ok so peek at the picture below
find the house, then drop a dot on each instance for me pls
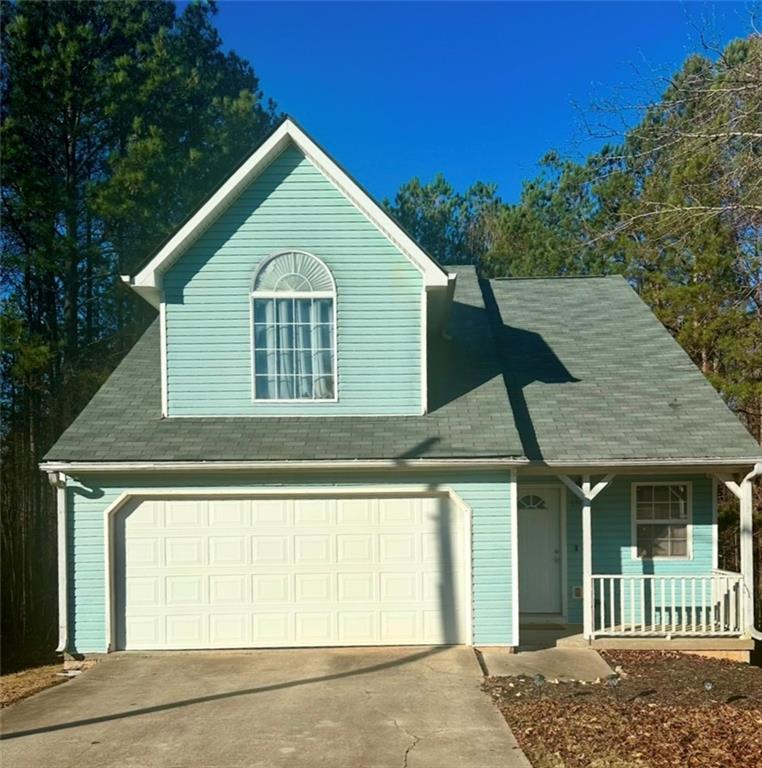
(326, 438)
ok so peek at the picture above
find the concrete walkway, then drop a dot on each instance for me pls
(350, 708)
(562, 664)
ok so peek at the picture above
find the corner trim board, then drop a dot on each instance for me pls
(514, 502)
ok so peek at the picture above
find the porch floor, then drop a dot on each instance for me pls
(536, 637)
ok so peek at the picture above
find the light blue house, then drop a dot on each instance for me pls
(326, 438)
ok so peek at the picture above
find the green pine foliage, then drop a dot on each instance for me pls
(117, 120)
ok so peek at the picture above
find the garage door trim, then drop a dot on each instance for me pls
(408, 491)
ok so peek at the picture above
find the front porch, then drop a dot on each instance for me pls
(616, 571)
(541, 637)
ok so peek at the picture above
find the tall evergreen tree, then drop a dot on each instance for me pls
(117, 119)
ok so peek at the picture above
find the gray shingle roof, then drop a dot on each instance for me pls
(468, 418)
(593, 375)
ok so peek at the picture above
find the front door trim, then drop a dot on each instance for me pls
(523, 489)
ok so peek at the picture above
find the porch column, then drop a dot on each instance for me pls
(586, 493)
(747, 554)
(743, 492)
(587, 560)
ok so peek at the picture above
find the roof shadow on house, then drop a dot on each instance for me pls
(464, 360)
(526, 358)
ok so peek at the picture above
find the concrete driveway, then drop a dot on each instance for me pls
(359, 708)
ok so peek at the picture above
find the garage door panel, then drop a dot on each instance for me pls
(228, 589)
(238, 572)
(270, 512)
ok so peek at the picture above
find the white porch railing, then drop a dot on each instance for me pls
(663, 606)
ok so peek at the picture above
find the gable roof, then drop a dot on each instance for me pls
(147, 280)
(593, 376)
(468, 419)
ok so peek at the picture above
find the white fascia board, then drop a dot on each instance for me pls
(602, 463)
(147, 281)
(285, 466)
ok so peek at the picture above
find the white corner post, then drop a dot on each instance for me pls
(587, 559)
(515, 558)
(586, 493)
(58, 481)
(743, 491)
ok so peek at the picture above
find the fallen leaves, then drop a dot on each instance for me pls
(659, 715)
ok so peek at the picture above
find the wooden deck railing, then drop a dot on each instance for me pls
(664, 606)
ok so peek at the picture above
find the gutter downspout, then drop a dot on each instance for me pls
(58, 481)
(747, 548)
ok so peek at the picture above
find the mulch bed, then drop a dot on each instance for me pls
(659, 715)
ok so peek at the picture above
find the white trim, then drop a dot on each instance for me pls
(588, 606)
(413, 490)
(688, 522)
(514, 512)
(146, 282)
(656, 463)
(560, 491)
(285, 466)
(163, 356)
(58, 481)
(424, 353)
(270, 295)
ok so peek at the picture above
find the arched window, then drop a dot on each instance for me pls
(294, 302)
(532, 501)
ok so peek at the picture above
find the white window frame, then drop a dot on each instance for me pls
(688, 522)
(254, 295)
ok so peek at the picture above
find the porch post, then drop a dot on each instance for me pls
(747, 556)
(743, 492)
(587, 560)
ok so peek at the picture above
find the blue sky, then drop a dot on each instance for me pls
(475, 90)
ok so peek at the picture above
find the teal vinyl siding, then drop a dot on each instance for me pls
(291, 205)
(487, 494)
(612, 533)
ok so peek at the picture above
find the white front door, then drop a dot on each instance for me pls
(540, 552)
(280, 572)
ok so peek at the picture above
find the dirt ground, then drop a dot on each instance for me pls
(26, 682)
(19, 685)
(665, 710)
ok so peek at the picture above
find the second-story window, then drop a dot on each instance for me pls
(294, 334)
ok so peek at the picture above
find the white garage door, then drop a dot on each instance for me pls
(243, 572)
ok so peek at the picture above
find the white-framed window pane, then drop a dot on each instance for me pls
(679, 548)
(324, 336)
(324, 387)
(264, 311)
(323, 310)
(305, 386)
(303, 310)
(645, 493)
(265, 387)
(661, 515)
(284, 311)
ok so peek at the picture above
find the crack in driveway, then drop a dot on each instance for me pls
(410, 747)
